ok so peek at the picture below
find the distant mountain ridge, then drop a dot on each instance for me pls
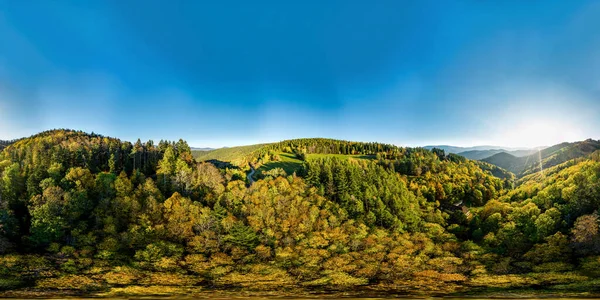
(202, 149)
(481, 154)
(545, 158)
(458, 149)
(4, 144)
(485, 151)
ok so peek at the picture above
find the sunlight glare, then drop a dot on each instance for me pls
(539, 132)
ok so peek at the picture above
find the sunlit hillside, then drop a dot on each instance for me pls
(545, 158)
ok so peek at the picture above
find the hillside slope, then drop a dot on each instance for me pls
(506, 161)
(457, 149)
(482, 154)
(234, 155)
(562, 153)
(545, 158)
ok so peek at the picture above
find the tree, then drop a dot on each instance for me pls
(242, 236)
(584, 235)
(181, 215)
(547, 223)
(48, 218)
(209, 179)
(12, 183)
(112, 164)
(166, 168)
(183, 176)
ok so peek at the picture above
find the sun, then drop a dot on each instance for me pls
(538, 132)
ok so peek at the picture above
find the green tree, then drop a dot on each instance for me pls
(166, 169)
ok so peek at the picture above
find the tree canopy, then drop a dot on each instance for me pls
(102, 213)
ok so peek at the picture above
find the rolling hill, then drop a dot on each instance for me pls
(507, 161)
(547, 157)
(234, 155)
(482, 154)
(292, 164)
(258, 153)
(457, 149)
(205, 149)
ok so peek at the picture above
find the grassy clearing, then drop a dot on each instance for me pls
(235, 155)
(340, 156)
(290, 163)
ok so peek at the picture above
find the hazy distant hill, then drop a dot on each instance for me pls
(4, 144)
(202, 149)
(547, 157)
(507, 161)
(562, 153)
(485, 151)
(481, 154)
(495, 170)
(457, 149)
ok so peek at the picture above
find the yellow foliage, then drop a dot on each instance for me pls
(69, 282)
(217, 272)
(557, 278)
(121, 276)
(263, 252)
(341, 263)
(158, 290)
(220, 259)
(504, 281)
(258, 276)
(338, 279)
(197, 263)
(166, 264)
(9, 261)
(169, 279)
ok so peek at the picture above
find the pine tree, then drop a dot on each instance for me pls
(166, 168)
(112, 164)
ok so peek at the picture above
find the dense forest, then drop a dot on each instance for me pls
(86, 213)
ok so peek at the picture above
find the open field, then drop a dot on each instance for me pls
(234, 155)
(341, 156)
(290, 163)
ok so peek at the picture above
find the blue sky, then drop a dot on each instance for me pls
(224, 73)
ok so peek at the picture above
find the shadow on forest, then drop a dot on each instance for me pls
(288, 166)
(222, 164)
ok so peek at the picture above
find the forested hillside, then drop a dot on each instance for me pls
(507, 161)
(544, 158)
(92, 214)
(234, 155)
(482, 154)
